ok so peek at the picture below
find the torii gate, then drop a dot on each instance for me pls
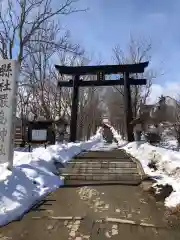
(101, 71)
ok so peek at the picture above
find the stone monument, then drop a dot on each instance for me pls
(9, 70)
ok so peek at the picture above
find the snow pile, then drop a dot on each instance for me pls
(33, 176)
(170, 144)
(167, 163)
(103, 146)
(116, 135)
(168, 139)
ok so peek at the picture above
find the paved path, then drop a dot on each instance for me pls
(98, 211)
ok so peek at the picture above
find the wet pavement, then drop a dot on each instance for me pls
(100, 210)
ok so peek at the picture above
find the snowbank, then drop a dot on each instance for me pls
(167, 163)
(170, 144)
(33, 177)
(117, 136)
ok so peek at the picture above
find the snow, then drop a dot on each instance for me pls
(118, 137)
(34, 176)
(167, 162)
(34, 173)
(103, 146)
(169, 144)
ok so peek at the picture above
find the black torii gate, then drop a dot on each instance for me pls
(101, 71)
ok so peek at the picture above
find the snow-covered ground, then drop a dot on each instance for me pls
(118, 137)
(34, 173)
(33, 176)
(170, 144)
(167, 162)
(102, 146)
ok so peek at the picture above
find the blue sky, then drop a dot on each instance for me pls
(111, 22)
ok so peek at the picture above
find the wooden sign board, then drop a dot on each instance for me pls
(9, 71)
(39, 135)
(40, 132)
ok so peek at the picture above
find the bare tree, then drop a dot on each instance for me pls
(137, 51)
(176, 125)
(115, 104)
(21, 20)
(39, 73)
(30, 32)
(90, 112)
(172, 116)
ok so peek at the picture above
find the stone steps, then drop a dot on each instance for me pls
(78, 183)
(103, 154)
(102, 177)
(101, 164)
(101, 167)
(98, 171)
(104, 159)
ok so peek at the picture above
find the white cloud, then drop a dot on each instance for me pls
(168, 89)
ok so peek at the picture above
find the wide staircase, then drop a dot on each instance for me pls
(102, 167)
